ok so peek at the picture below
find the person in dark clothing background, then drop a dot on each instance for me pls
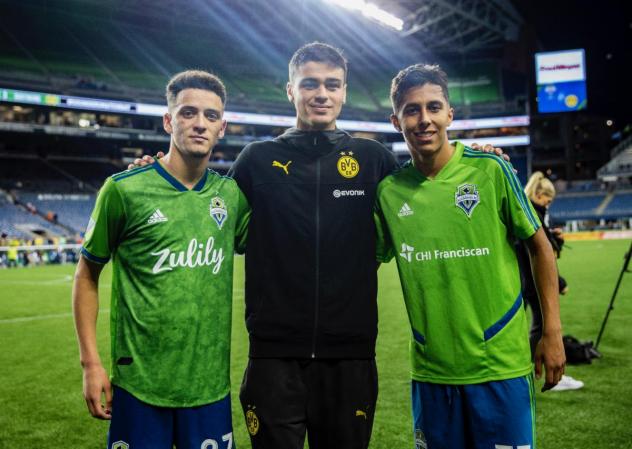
(541, 193)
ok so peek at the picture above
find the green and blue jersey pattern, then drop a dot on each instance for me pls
(172, 255)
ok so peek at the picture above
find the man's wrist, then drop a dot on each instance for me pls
(90, 364)
(552, 332)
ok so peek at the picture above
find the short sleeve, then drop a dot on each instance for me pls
(106, 224)
(518, 211)
(241, 227)
(384, 245)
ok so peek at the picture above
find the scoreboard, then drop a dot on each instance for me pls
(561, 81)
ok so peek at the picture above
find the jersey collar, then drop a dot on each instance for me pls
(162, 171)
(446, 170)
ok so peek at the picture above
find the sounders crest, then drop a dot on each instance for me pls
(466, 197)
(218, 211)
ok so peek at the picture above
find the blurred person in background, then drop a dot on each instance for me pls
(541, 192)
(12, 253)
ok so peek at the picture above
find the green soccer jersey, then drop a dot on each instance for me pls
(453, 239)
(172, 253)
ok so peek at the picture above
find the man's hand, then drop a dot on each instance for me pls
(146, 159)
(489, 149)
(550, 352)
(95, 383)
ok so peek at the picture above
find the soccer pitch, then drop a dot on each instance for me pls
(40, 390)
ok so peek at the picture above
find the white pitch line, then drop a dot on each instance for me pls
(23, 319)
(57, 280)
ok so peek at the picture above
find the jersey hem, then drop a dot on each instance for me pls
(161, 402)
(472, 380)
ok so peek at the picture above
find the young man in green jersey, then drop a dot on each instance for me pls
(450, 216)
(171, 229)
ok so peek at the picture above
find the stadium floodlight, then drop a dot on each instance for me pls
(371, 11)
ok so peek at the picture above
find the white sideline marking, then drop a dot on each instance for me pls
(63, 280)
(23, 319)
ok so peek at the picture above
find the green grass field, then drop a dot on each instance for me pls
(40, 388)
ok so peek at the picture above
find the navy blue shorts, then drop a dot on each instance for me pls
(137, 425)
(490, 415)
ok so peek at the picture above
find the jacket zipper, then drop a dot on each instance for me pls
(317, 284)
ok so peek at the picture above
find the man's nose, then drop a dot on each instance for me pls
(200, 124)
(321, 93)
(424, 119)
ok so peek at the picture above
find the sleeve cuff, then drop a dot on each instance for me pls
(93, 258)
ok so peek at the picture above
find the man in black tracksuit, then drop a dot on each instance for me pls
(311, 282)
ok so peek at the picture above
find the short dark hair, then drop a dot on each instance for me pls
(416, 76)
(317, 52)
(194, 79)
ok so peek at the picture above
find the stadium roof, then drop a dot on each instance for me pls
(458, 25)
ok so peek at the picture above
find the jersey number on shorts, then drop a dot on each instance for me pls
(212, 444)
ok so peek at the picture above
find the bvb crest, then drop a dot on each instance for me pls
(252, 421)
(347, 165)
(466, 198)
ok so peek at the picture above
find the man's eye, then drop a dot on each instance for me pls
(187, 114)
(211, 116)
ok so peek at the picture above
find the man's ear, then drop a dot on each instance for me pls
(450, 116)
(220, 134)
(395, 122)
(289, 88)
(166, 122)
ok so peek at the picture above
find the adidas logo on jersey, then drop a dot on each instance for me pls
(156, 217)
(405, 211)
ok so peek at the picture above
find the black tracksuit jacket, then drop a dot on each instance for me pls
(311, 282)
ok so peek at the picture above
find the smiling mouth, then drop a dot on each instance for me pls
(320, 108)
(425, 135)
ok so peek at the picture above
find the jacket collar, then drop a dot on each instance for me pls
(320, 142)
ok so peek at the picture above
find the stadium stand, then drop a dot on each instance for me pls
(101, 56)
(578, 206)
(70, 210)
(97, 57)
(598, 205)
(620, 206)
(32, 173)
(621, 163)
(87, 170)
(16, 221)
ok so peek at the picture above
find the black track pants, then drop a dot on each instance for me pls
(333, 400)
